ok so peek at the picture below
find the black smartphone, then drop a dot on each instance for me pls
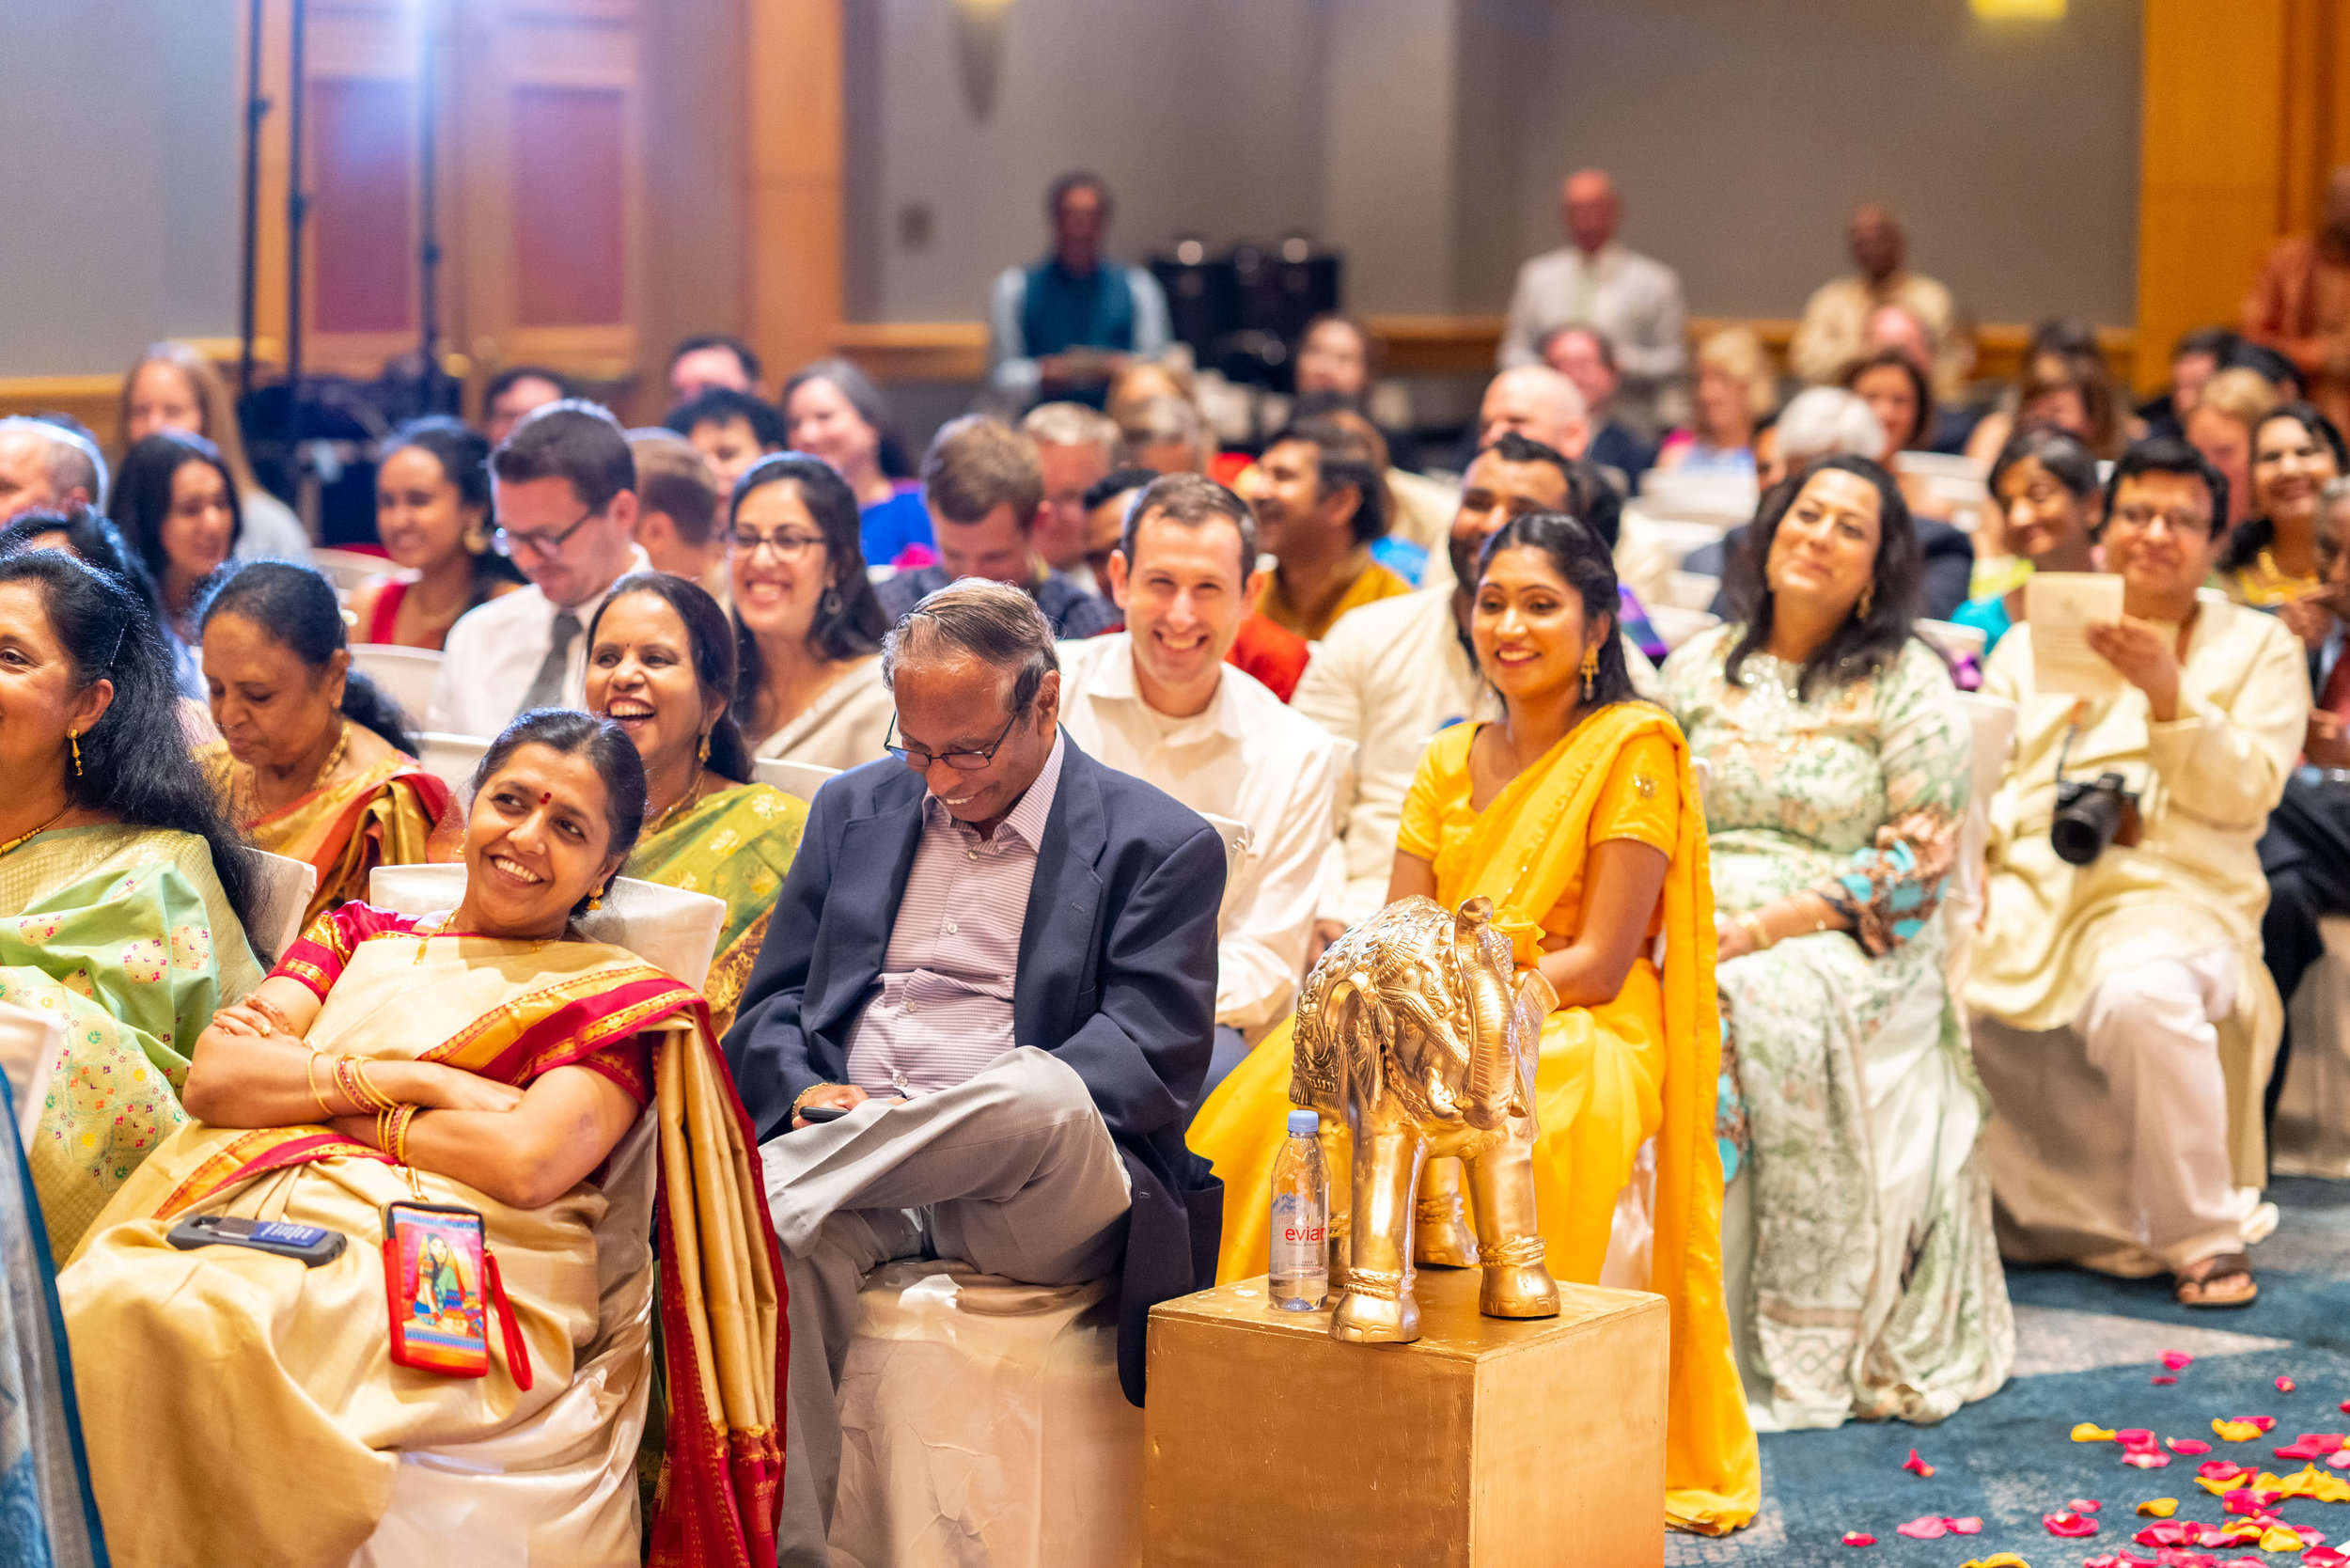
(313, 1244)
(813, 1114)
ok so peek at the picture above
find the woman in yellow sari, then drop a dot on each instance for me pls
(242, 1407)
(1578, 817)
(313, 761)
(660, 665)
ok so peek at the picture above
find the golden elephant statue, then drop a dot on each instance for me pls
(1416, 1040)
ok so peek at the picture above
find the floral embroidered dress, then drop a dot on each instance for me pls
(1876, 1288)
(126, 934)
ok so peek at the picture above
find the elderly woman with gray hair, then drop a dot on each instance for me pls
(982, 1015)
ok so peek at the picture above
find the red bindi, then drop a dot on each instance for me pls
(545, 796)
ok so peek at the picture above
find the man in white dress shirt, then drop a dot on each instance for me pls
(1393, 673)
(566, 495)
(1594, 281)
(1157, 700)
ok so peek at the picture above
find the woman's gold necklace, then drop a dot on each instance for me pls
(691, 790)
(25, 837)
(318, 781)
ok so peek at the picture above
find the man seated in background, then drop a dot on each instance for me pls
(713, 359)
(1593, 280)
(1158, 701)
(2305, 851)
(677, 510)
(46, 466)
(2195, 359)
(2130, 934)
(1540, 404)
(1583, 356)
(1833, 335)
(1060, 328)
(1075, 447)
(1394, 673)
(514, 392)
(1829, 421)
(999, 956)
(564, 490)
(985, 491)
(732, 430)
(1318, 506)
(1165, 435)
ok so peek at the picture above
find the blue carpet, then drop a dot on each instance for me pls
(2087, 1347)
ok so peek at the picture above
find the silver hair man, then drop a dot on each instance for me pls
(45, 464)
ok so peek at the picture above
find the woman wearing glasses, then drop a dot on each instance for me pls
(661, 665)
(807, 629)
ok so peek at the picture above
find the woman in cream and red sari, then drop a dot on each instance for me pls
(313, 761)
(660, 665)
(241, 1407)
(1578, 815)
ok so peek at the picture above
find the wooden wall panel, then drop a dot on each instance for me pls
(570, 206)
(792, 204)
(363, 236)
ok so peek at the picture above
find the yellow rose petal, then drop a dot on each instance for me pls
(2090, 1432)
(2159, 1508)
(2280, 1538)
(2234, 1432)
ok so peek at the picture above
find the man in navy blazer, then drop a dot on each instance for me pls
(994, 962)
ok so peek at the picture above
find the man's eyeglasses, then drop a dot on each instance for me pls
(788, 547)
(545, 547)
(961, 762)
(2139, 520)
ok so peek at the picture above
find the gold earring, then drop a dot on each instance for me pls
(1868, 597)
(595, 900)
(73, 739)
(476, 538)
(704, 755)
(1590, 672)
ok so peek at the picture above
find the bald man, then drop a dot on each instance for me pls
(1539, 403)
(1834, 332)
(45, 466)
(2300, 304)
(1594, 281)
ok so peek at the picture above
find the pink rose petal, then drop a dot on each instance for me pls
(2324, 1557)
(2146, 1459)
(2162, 1378)
(1854, 1538)
(2069, 1524)
(2284, 1384)
(2187, 1445)
(1972, 1526)
(2084, 1505)
(2267, 1423)
(2221, 1469)
(2177, 1360)
(1930, 1527)
(1917, 1465)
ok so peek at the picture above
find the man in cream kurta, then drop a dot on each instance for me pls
(1158, 701)
(2124, 1021)
(1393, 674)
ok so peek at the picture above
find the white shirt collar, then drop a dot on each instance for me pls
(1114, 679)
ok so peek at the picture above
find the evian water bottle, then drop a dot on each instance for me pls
(1300, 1270)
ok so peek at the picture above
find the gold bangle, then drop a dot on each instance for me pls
(804, 1094)
(1751, 923)
(310, 1077)
(398, 1124)
(374, 1096)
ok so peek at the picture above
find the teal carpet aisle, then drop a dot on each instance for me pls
(2087, 1348)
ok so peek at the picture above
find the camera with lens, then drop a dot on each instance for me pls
(2090, 814)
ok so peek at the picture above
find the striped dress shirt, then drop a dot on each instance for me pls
(945, 1006)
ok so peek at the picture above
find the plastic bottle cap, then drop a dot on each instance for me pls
(1305, 1124)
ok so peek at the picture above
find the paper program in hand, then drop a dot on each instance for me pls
(2059, 610)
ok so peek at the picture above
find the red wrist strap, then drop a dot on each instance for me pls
(517, 1351)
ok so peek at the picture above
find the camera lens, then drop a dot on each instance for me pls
(2085, 824)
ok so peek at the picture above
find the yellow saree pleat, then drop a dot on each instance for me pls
(381, 816)
(1607, 1078)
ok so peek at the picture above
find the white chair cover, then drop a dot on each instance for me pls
(31, 1040)
(404, 674)
(982, 1424)
(800, 779)
(1990, 722)
(2311, 1137)
(1677, 625)
(449, 758)
(348, 568)
(674, 931)
(286, 887)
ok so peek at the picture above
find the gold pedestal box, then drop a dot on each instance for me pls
(1485, 1444)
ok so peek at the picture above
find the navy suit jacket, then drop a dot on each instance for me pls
(1117, 978)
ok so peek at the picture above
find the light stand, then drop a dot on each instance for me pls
(256, 110)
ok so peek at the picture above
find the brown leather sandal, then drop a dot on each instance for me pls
(2224, 1280)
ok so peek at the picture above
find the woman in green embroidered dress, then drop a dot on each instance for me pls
(660, 665)
(1837, 757)
(122, 892)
